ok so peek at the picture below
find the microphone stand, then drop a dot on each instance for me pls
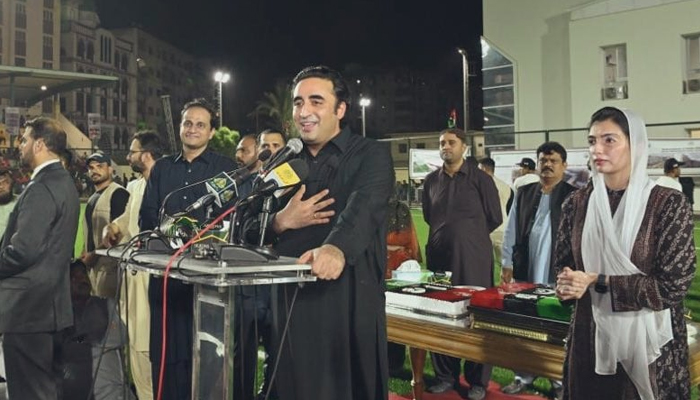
(237, 249)
(264, 216)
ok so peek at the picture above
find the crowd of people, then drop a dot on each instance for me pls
(620, 249)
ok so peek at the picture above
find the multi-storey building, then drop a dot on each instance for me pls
(163, 69)
(87, 47)
(402, 100)
(30, 35)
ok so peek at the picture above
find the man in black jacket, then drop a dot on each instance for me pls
(35, 303)
(532, 228)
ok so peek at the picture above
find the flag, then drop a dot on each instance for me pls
(452, 120)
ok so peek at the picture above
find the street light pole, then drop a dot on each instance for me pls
(221, 78)
(465, 87)
(364, 103)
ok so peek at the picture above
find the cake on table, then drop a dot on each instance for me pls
(430, 299)
(521, 309)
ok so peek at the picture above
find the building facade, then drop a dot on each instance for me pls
(87, 47)
(401, 100)
(30, 33)
(550, 64)
(30, 36)
(163, 69)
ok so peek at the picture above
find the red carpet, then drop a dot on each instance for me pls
(493, 393)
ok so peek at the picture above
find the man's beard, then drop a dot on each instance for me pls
(26, 159)
(137, 168)
(6, 197)
(99, 180)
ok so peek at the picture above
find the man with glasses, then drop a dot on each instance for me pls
(531, 232)
(194, 163)
(145, 150)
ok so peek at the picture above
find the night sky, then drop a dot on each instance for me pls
(262, 41)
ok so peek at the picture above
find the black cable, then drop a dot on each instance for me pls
(282, 342)
(104, 341)
(117, 306)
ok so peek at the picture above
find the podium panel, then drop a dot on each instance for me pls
(214, 299)
(213, 342)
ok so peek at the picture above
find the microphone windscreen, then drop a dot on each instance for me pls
(296, 145)
(264, 155)
(223, 187)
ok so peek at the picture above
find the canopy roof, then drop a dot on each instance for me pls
(23, 86)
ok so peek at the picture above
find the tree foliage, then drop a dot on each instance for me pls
(225, 141)
(276, 107)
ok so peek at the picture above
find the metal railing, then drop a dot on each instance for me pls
(521, 140)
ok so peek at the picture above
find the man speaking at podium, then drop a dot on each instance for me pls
(335, 347)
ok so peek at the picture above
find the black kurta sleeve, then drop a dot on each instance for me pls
(425, 203)
(148, 215)
(490, 201)
(117, 204)
(367, 204)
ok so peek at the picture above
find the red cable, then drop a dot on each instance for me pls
(161, 373)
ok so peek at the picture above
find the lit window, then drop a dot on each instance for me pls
(614, 72)
(691, 83)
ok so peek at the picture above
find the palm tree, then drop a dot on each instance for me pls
(277, 106)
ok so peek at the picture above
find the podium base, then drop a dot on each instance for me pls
(244, 253)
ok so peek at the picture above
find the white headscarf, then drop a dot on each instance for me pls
(632, 338)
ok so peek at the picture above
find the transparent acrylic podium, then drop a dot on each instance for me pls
(214, 302)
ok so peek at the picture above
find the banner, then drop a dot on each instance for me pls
(12, 121)
(683, 150)
(507, 169)
(94, 126)
(421, 162)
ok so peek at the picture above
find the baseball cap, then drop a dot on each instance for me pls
(671, 164)
(527, 163)
(98, 157)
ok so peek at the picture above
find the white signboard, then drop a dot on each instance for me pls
(421, 162)
(12, 119)
(94, 126)
(507, 169)
(683, 150)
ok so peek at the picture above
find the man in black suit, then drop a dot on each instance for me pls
(35, 302)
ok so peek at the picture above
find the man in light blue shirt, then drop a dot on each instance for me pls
(531, 231)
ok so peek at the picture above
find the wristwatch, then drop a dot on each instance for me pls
(600, 285)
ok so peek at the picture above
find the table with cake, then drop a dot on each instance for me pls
(517, 326)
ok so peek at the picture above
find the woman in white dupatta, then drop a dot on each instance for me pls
(626, 255)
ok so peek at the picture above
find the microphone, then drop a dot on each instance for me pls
(292, 148)
(223, 186)
(284, 176)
